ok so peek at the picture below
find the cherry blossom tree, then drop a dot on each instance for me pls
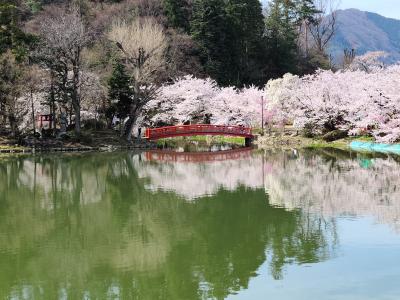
(193, 100)
(363, 99)
(368, 62)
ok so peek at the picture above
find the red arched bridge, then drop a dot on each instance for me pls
(199, 129)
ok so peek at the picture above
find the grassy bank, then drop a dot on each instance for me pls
(286, 140)
(200, 139)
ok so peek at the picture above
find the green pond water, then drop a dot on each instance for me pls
(235, 224)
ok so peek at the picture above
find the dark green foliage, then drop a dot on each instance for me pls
(211, 31)
(119, 91)
(306, 11)
(11, 36)
(281, 38)
(178, 13)
(309, 58)
(240, 47)
(10, 87)
(34, 5)
(94, 124)
(311, 61)
(230, 35)
(246, 22)
(10, 79)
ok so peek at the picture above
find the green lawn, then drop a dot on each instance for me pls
(202, 139)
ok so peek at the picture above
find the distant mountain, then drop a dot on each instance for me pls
(366, 31)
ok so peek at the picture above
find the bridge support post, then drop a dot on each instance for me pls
(248, 142)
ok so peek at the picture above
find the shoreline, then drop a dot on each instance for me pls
(110, 148)
(90, 141)
(289, 142)
(266, 142)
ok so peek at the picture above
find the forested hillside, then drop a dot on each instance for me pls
(364, 32)
(105, 59)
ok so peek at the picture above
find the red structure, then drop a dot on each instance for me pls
(198, 129)
(45, 121)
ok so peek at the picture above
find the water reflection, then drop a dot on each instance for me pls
(194, 175)
(328, 182)
(333, 183)
(148, 226)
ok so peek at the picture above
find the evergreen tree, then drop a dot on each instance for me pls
(246, 22)
(310, 58)
(306, 11)
(281, 38)
(178, 13)
(119, 92)
(210, 29)
(10, 87)
(11, 36)
(230, 35)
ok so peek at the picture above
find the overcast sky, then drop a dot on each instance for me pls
(387, 8)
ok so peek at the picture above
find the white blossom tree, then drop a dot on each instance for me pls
(358, 101)
(193, 100)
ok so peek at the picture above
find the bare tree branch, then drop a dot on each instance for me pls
(143, 45)
(324, 26)
(64, 37)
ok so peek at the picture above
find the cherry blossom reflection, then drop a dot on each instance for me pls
(326, 183)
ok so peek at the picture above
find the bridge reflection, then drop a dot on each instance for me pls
(198, 157)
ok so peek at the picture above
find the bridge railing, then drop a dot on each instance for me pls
(198, 129)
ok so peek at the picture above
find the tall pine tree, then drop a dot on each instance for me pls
(306, 11)
(178, 13)
(210, 29)
(119, 92)
(281, 38)
(230, 34)
(247, 24)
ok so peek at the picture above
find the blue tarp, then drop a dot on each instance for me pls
(375, 147)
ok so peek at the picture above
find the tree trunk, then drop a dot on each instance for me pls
(76, 93)
(13, 124)
(77, 112)
(306, 30)
(121, 127)
(33, 113)
(3, 116)
(53, 117)
(128, 127)
(52, 103)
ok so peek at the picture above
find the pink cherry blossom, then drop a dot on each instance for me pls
(193, 100)
(359, 100)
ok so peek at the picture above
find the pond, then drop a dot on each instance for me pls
(236, 224)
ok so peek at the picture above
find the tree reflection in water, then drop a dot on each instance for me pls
(99, 225)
